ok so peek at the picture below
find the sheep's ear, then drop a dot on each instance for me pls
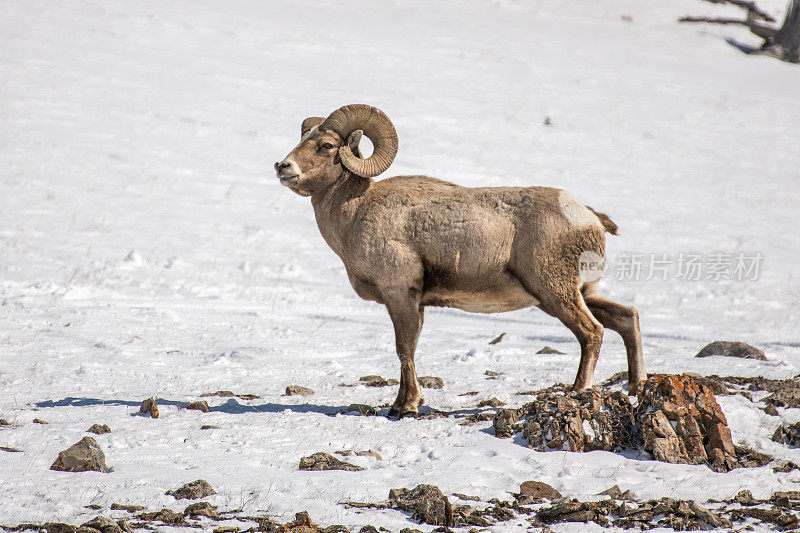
(353, 140)
(309, 124)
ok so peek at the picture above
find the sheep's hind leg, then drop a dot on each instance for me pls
(571, 310)
(624, 320)
(407, 316)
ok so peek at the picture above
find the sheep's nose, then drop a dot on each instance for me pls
(281, 166)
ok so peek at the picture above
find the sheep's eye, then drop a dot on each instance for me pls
(327, 146)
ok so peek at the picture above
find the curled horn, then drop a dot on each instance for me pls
(376, 126)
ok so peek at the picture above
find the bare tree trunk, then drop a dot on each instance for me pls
(787, 40)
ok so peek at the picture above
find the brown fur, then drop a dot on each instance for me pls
(409, 242)
(607, 223)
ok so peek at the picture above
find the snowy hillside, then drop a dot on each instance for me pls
(147, 249)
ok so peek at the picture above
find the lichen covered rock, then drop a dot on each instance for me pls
(683, 423)
(580, 421)
(677, 420)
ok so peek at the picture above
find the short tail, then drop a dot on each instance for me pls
(607, 223)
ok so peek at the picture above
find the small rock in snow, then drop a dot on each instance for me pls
(362, 409)
(378, 381)
(745, 497)
(150, 407)
(466, 497)
(370, 453)
(126, 507)
(430, 382)
(39, 421)
(732, 349)
(366, 453)
(165, 516)
(548, 351)
(538, 489)
(786, 395)
(222, 393)
(302, 524)
(297, 390)
(195, 490)
(749, 458)
(325, 461)
(425, 502)
(4, 422)
(201, 509)
(771, 410)
(199, 405)
(789, 435)
(616, 494)
(504, 421)
(82, 456)
(106, 525)
(60, 527)
(99, 429)
(209, 426)
(336, 528)
(491, 402)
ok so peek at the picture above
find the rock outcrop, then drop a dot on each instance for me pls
(683, 423)
(677, 420)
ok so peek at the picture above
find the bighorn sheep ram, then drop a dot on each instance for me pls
(409, 242)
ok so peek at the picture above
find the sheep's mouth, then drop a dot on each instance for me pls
(288, 179)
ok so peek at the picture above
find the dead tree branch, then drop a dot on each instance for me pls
(782, 43)
(762, 30)
(750, 6)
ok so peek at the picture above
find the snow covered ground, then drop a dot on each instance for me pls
(146, 248)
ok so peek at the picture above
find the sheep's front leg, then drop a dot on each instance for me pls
(407, 315)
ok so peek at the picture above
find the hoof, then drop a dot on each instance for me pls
(394, 414)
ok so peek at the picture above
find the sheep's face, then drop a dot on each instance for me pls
(314, 164)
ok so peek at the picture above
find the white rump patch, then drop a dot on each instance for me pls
(575, 212)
